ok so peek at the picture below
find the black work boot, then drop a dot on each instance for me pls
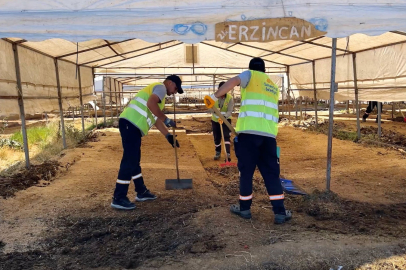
(146, 196)
(122, 204)
(235, 209)
(281, 218)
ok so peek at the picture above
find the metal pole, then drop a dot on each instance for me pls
(193, 58)
(115, 94)
(315, 92)
(104, 101)
(95, 101)
(353, 106)
(214, 83)
(306, 101)
(117, 85)
(120, 87)
(347, 106)
(111, 102)
(331, 112)
(122, 97)
(122, 90)
(95, 110)
(296, 105)
(393, 107)
(81, 101)
(379, 119)
(21, 105)
(58, 85)
(288, 92)
(354, 67)
(283, 95)
(300, 106)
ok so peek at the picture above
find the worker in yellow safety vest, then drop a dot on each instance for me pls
(143, 111)
(255, 145)
(226, 105)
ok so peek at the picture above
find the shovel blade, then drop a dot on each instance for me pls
(171, 184)
(290, 188)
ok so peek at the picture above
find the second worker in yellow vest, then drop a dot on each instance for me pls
(226, 105)
(255, 145)
(143, 111)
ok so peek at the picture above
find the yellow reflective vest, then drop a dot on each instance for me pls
(259, 106)
(137, 111)
(224, 109)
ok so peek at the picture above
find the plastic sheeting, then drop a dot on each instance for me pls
(38, 81)
(112, 90)
(187, 20)
(381, 76)
(8, 82)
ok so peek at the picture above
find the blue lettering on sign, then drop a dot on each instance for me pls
(320, 24)
(198, 28)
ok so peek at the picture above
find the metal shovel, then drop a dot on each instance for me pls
(177, 183)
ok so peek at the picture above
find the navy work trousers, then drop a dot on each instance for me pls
(130, 168)
(252, 151)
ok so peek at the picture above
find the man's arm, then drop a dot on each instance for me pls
(169, 137)
(161, 127)
(152, 105)
(228, 86)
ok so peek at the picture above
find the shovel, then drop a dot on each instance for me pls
(177, 183)
(287, 185)
(290, 188)
(227, 163)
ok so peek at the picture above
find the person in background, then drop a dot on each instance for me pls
(370, 108)
(225, 104)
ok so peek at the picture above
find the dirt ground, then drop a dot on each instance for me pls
(67, 223)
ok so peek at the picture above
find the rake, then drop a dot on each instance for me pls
(226, 162)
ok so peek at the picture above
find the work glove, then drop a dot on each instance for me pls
(227, 115)
(209, 101)
(169, 122)
(169, 138)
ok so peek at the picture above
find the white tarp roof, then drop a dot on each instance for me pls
(186, 20)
